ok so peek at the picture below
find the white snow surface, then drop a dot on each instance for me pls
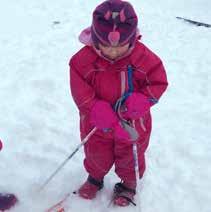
(39, 122)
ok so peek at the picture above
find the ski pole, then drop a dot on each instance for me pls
(68, 158)
(137, 173)
(134, 136)
(135, 155)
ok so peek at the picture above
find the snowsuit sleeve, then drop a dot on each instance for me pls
(82, 93)
(155, 79)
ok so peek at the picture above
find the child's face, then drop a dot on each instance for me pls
(114, 52)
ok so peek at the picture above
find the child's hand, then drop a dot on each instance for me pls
(102, 115)
(136, 105)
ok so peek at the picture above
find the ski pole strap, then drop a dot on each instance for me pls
(153, 100)
(131, 88)
(122, 99)
(130, 78)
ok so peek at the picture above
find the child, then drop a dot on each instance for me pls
(114, 78)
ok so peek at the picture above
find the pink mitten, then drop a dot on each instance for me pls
(103, 117)
(136, 105)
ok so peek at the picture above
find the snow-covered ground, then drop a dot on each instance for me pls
(39, 120)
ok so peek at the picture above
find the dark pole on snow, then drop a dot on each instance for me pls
(195, 22)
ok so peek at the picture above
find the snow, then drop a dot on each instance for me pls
(39, 120)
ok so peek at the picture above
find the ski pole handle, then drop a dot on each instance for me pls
(68, 158)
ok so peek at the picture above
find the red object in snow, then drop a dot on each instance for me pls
(1, 145)
(61, 206)
(7, 201)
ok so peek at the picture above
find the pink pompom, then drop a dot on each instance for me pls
(114, 38)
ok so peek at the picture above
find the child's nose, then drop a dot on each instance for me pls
(114, 52)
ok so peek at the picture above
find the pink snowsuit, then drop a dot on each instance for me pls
(92, 77)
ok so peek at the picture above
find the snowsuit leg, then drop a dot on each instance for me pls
(99, 154)
(103, 150)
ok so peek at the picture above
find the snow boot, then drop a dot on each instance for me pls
(7, 201)
(123, 195)
(90, 188)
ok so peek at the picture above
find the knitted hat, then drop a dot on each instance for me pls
(114, 23)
